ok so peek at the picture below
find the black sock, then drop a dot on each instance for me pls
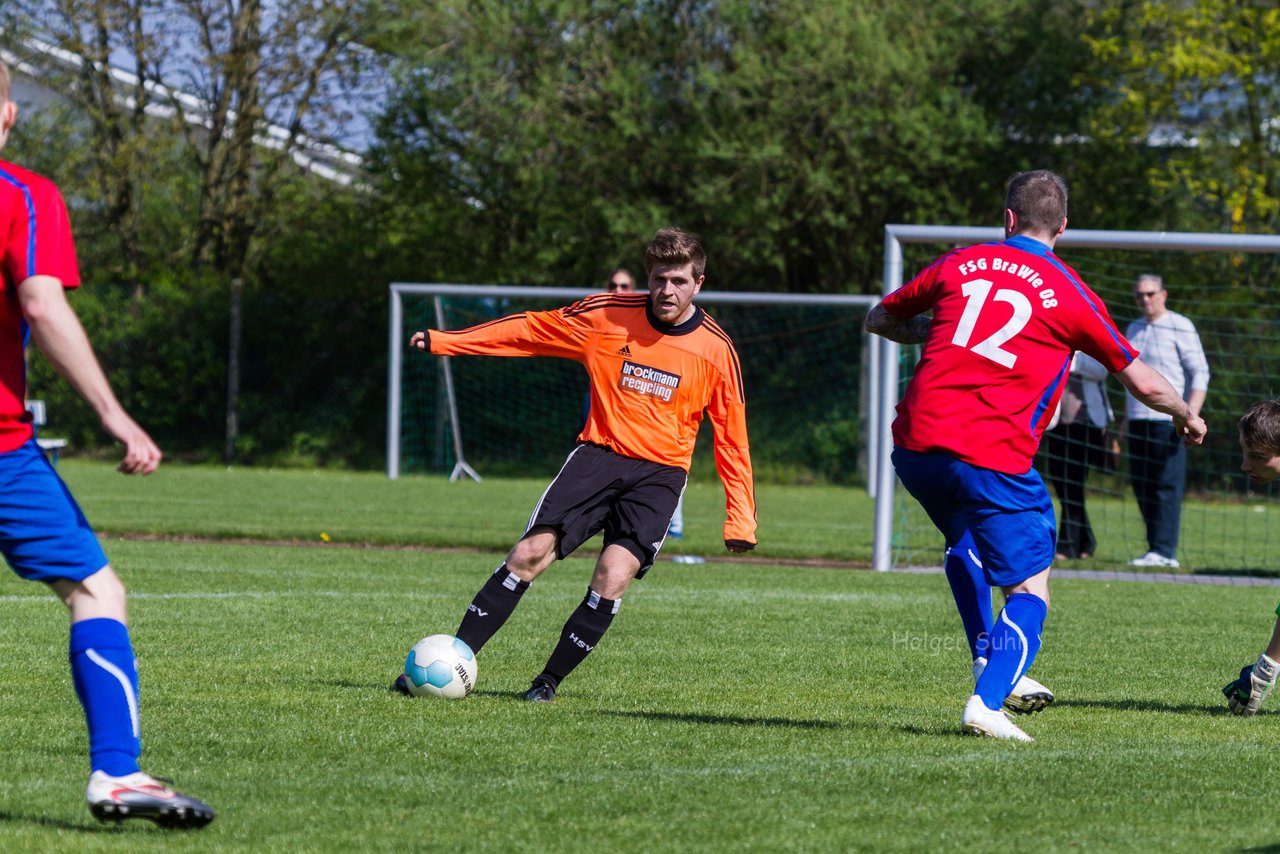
(585, 628)
(492, 606)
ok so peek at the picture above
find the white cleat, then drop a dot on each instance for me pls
(979, 720)
(1027, 697)
(140, 795)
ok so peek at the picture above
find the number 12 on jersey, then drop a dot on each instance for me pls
(976, 292)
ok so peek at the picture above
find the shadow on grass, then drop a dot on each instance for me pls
(1273, 848)
(57, 823)
(725, 720)
(390, 688)
(1148, 706)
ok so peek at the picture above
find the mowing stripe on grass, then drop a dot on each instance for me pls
(1116, 575)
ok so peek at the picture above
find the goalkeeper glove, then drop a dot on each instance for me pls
(1245, 695)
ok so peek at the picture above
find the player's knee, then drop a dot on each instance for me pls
(532, 555)
(1037, 586)
(1041, 593)
(617, 567)
(100, 595)
(611, 585)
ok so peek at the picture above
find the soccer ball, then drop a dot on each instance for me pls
(440, 666)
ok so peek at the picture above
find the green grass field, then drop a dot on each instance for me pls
(733, 706)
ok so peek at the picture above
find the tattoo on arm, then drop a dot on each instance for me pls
(911, 330)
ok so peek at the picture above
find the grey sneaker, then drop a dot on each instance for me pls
(1155, 559)
(541, 691)
(140, 795)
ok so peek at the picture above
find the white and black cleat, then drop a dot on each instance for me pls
(1027, 697)
(140, 795)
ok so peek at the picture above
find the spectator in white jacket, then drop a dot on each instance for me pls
(1157, 458)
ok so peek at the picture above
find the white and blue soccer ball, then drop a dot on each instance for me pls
(440, 666)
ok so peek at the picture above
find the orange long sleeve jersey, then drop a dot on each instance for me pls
(649, 383)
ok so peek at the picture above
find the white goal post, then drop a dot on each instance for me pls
(889, 353)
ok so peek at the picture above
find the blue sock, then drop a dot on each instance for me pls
(106, 679)
(1015, 640)
(972, 593)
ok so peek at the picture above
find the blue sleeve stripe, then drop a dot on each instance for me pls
(1084, 294)
(31, 216)
(1050, 392)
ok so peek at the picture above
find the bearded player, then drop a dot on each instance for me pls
(1006, 319)
(656, 363)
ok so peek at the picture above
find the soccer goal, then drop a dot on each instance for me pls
(805, 364)
(1227, 285)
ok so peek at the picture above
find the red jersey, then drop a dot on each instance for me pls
(650, 383)
(1007, 318)
(35, 240)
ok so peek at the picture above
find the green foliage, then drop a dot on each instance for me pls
(315, 319)
(544, 142)
(54, 140)
(1198, 80)
(555, 137)
(165, 353)
(313, 353)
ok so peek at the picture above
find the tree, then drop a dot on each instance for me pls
(246, 87)
(1197, 81)
(552, 138)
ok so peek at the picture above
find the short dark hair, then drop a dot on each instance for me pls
(609, 285)
(5, 91)
(1039, 199)
(675, 246)
(1260, 427)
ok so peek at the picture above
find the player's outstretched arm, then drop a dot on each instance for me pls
(912, 330)
(1149, 386)
(59, 335)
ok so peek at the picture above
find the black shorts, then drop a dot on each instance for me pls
(631, 500)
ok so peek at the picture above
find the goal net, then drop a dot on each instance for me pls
(803, 363)
(1226, 285)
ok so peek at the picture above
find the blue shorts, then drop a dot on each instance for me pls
(1009, 515)
(43, 534)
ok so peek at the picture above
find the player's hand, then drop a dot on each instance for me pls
(1246, 695)
(1192, 429)
(420, 340)
(141, 455)
(738, 546)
